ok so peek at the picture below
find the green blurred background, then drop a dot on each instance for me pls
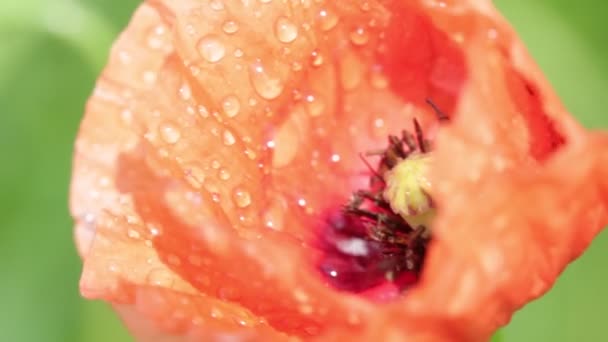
(51, 52)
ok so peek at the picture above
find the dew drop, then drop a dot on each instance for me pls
(241, 197)
(268, 85)
(378, 80)
(113, 266)
(215, 164)
(224, 174)
(156, 38)
(133, 234)
(185, 92)
(203, 111)
(125, 57)
(195, 176)
(211, 48)
(154, 231)
(190, 29)
(285, 30)
(216, 313)
(170, 133)
(316, 58)
(230, 26)
(327, 19)
(359, 36)
(160, 277)
(314, 105)
(238, 53)
(149, 76)
(215, 197)
(378, 127)
(250, 154)
(300, 295)
(229, 138)
(302, 202)
(274, 214)
(231, 106)
(216, 5)
(296, 66)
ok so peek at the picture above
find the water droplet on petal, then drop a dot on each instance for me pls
(238, 53)
(268, 85)
(316, 58)
(231, 106)
(149, 76)
(230, 26)
(133, 234)
(170, 133)
(359, 36)
(229, 138)
(327, 19)
(190, 29)
(378, 127)
(285, 30)
(224, 174)
(274, 214)
(241, 197)
(156, 38)
(378, 80)
(216, 313)
(296, 66)
(203, 111)
(160, 277)
(250, 154)
(195, 176)
(184, 92)
(211, 48)
(314, 105)
(154, 230)
(215, 197)
(216, 5)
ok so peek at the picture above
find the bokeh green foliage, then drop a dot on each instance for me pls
(50, 54)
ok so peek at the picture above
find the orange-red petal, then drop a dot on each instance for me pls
(211, 147)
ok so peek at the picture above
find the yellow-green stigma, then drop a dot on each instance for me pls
(394, 214)
(407, 189)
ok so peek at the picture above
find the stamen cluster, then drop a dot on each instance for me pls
(381, 235)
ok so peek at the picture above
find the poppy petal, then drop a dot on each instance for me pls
(219, 132)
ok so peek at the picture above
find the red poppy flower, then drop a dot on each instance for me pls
(221, 133)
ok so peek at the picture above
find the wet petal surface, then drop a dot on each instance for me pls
(221, 130)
